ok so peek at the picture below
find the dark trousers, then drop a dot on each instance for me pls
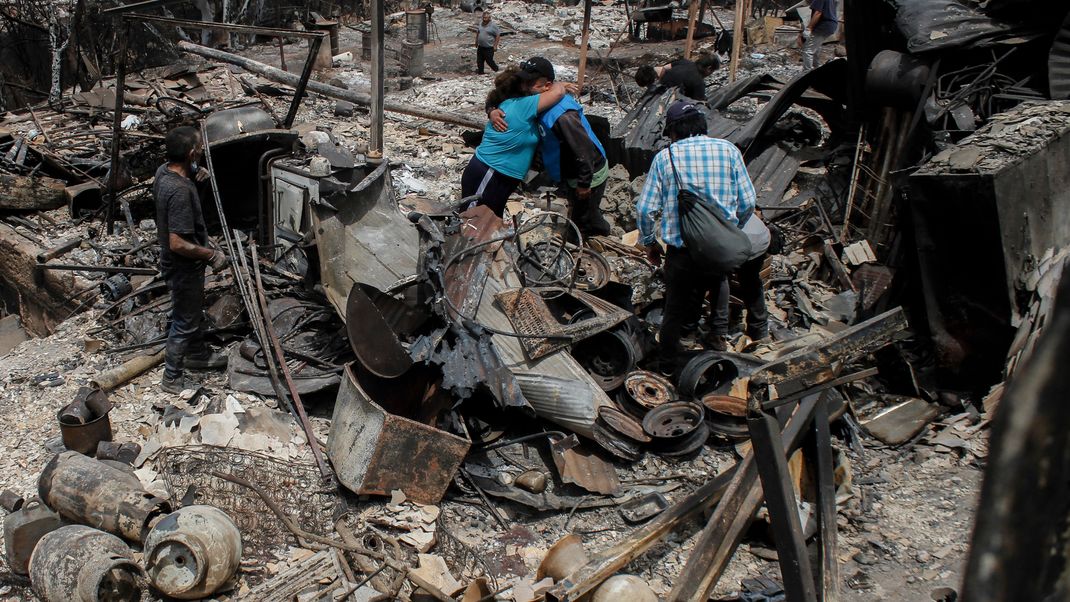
(751, 292)
(485, 54)
(685, 288)
(185, 337)
(494, 188)
(586, 213)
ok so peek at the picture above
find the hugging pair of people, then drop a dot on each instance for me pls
(528, 108)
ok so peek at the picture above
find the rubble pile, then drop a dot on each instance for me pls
(424, 400)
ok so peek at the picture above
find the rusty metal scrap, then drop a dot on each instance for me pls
(377, 452)
(581, 467)
(529, 312)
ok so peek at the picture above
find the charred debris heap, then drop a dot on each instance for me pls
(919, 186)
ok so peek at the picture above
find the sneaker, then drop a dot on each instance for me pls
(208, 361)
(176, 386)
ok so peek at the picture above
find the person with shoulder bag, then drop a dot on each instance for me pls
(700, 188)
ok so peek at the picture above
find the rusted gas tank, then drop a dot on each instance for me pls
(90, 492)
(192, 552)
(79, 564)
(23, 529)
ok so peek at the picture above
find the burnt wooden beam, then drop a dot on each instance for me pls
(725, 528)
(814, 365)
(25, 193)
(361, 98)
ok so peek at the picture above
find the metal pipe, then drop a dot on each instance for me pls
(120, 375)
(295, 397)
(110, 269)
(117, 127)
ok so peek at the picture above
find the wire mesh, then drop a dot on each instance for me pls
(295, 486)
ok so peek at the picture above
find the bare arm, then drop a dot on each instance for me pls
(497, 38)
(183, 247)
(815, 18)
(552, 96)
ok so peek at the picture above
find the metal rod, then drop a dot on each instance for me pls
(295, 397)
(249, 29)
(378, 72)
(117, 127)
(109, 269)
(306, 72)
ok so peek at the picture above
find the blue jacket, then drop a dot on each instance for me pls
(551, 146)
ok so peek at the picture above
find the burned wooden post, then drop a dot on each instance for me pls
(306, 72)
(737, 39)
(378, 71)
(1019, 549)
(692, 15)
(583, 44)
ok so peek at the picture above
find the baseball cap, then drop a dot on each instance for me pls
(537, 67)
(679, 110)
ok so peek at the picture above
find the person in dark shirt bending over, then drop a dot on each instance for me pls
(183, 255)
(822, 26)
(689, 76)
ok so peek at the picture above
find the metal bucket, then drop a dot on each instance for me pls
(192, 552)
(79, 564)
(84, 422)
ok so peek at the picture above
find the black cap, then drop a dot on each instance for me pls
(679, 110)
(537, 67)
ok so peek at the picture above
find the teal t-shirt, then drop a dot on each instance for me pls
(510, 152)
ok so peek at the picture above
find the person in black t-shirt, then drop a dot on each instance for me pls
(688, 76)
(183, 255)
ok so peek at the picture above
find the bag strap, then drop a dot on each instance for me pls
(679, 184)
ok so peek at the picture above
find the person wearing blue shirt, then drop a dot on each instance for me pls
(572, 156)
(502, 159)
(712, 169)
(822, 26)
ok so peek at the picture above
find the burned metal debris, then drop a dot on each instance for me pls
(389, 341)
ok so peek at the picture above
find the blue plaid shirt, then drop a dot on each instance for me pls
(711, 168)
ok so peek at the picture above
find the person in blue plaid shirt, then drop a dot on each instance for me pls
(714, 170)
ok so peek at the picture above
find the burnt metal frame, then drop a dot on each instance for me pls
(315, 40)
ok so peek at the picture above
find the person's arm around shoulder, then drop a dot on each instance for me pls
(554, 95)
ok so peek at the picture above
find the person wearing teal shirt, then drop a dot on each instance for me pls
(502, 158)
